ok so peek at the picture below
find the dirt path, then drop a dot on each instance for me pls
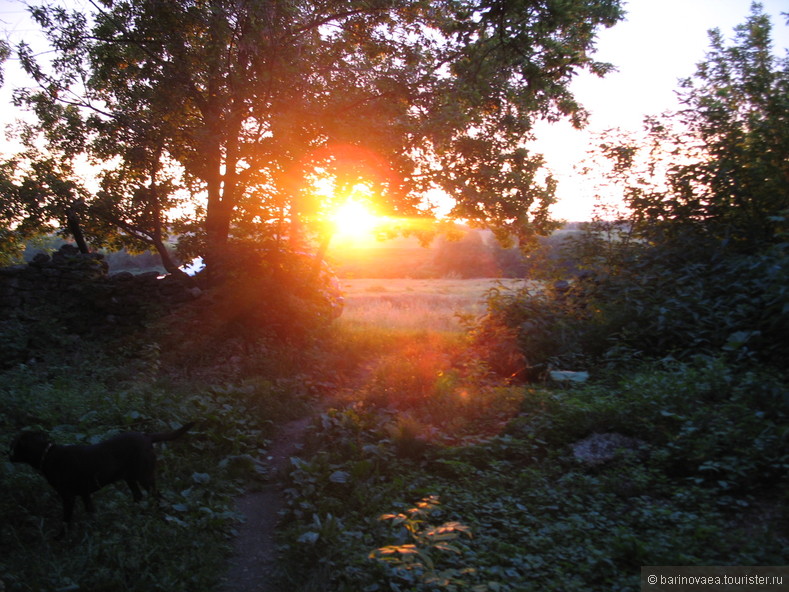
(254, 559)
(253, 565)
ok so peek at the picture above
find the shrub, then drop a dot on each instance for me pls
(287, 294)
(550, 328)
(679, 300)
(683, 300)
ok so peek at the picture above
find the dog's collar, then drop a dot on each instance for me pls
(44, 456)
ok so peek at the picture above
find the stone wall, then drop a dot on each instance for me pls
(75, 291)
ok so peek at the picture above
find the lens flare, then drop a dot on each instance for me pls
(354, 220)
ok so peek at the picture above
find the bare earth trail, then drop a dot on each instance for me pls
(253, 566)
(254, 559)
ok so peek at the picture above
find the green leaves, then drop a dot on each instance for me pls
(84, 394)
(241, 105)
(415, 563)
(710, 452)
(713, 171)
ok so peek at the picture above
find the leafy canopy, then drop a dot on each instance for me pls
(716, 170)
(237, 107)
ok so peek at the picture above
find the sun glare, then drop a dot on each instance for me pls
(353, 220)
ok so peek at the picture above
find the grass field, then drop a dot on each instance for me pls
(429, 304)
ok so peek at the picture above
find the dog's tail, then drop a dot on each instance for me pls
(166, 436)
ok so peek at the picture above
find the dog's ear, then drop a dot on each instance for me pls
(25, 443)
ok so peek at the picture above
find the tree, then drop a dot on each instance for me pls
(700, 266)
(248, 103)
(717, 170)
(45, 193)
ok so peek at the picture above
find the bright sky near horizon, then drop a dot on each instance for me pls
(658, 43)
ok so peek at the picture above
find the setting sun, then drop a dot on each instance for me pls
(353, 220)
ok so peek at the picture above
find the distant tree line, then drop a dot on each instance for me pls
(477, 254)
(464, 253)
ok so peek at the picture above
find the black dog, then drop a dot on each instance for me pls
(80, 470)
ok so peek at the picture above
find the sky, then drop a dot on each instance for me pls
(658, 43)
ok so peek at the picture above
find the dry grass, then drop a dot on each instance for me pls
(416, 304)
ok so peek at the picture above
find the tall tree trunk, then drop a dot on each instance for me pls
(223, 187)
(217, 227)
(217, 222)
(220, 207)
(75, 228)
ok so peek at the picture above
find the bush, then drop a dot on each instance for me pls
(551, 328)
(682, 300)
(290, 295)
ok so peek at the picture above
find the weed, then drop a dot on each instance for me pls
(178, 544)
(415, 563)
(541, 518)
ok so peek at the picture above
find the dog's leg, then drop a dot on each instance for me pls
(68, 505)
(149, 483)
(147, 479)
(154, 492)
(88, 503)
(68, 511)
(136, 493)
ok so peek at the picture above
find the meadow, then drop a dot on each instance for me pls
(418, 304)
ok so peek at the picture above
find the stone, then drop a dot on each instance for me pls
(78, 284)
(599, 449)
(568, 376)
(41, 259)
